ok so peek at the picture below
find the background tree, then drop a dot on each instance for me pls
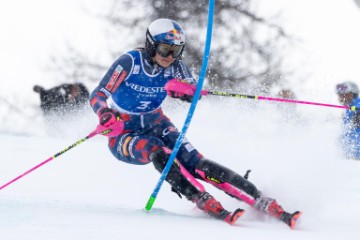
(245, 48)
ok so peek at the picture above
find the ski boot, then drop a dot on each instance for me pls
(271, 207)
(208, 204)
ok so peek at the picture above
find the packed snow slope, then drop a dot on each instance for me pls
(87, 194)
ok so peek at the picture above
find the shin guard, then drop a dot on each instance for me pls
(227, 180)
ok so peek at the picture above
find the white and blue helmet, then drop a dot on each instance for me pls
(164, 31)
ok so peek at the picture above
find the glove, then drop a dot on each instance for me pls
(108, 116)
(111, 124)
(180, 89)
(181, 96)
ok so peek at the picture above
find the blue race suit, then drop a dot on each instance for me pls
(350, 137)
(135, 87)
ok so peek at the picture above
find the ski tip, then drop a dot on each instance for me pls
(295, 216)
(232, 217)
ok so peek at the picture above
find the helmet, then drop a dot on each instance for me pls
(164, 31)
(347, 87)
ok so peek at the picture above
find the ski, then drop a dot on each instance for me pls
(290, 219)
(231, 218)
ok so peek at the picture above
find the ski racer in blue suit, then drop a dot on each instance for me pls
(348, 93)
(128, 100)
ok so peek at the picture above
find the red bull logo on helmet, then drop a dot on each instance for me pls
(175, 35)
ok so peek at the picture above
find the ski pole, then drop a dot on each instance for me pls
(194, 102)
(255, 97)
(92, 134)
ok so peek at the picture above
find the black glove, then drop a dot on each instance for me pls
(183, 97)
(108, 116)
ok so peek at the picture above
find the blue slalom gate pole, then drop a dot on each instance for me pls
(191, 109)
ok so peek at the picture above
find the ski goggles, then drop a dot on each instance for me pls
(165, 50)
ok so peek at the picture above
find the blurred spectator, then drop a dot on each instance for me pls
(348, 94)
(287, 94)
(287, 109)
(63, 99)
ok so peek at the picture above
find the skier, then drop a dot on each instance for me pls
(348, 93)
(128, 101)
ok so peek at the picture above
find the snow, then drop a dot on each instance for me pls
(85, 193)
(327, 39)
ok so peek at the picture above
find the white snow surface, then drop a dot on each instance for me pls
(87, 194)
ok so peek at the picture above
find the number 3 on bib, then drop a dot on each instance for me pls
(144, 105)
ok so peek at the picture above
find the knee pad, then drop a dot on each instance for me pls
(226, 179)
(159, 158)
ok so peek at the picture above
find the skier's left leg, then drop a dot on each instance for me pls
(221, 177)
(239, 187)
(185, 184)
